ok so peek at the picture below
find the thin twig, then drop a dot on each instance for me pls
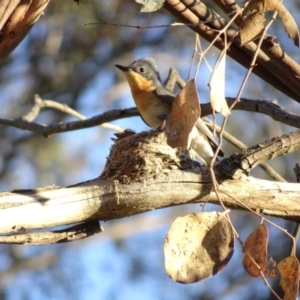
(261, 106)
(259, 215)
(47, 130)
(41, 103)
(244, 83)
(252, 65)
(157, 26)
(283, 76)
(70, 234)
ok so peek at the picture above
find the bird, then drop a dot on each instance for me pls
(153, 101)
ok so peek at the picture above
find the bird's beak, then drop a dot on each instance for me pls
(122, 68)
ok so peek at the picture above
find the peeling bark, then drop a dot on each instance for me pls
(16, 19)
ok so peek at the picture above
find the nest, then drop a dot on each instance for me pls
(137, 157)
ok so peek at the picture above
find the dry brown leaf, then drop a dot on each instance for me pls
(254, 17)
(289, 277)
(253, 23)
(288, 21)
(185, 112)
(198, 246)
(217, 87)
(255, 249)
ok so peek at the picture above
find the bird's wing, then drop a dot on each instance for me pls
(166, 95)
(204, 129)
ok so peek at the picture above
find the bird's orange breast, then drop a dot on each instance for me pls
(148, 104)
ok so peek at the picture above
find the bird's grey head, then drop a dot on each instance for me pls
(146, 67)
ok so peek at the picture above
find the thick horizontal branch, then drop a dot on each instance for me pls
(143, 174)
(107, 200)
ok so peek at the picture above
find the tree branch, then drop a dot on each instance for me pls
(71, 234)
(47, 130)
(242, 163)
(268, 108)
(40, 103)
(142, 174)
(241, 146)
(277, 73)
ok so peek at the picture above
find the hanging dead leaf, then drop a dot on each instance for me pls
(255, 249)
(185, 111)
(289, 277)
(198, 246)
(254, 17)
(288, 21)
(217, 87)
(253, 21)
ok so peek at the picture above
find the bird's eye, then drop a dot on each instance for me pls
(142, 69)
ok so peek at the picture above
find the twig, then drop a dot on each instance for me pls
(252, 65)
(261, 216)
(269, 71)
(40, 103)
(47, 130)
(289, 67)
(70, 234)
(261, 106)
(158, 26)
(242, 86)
